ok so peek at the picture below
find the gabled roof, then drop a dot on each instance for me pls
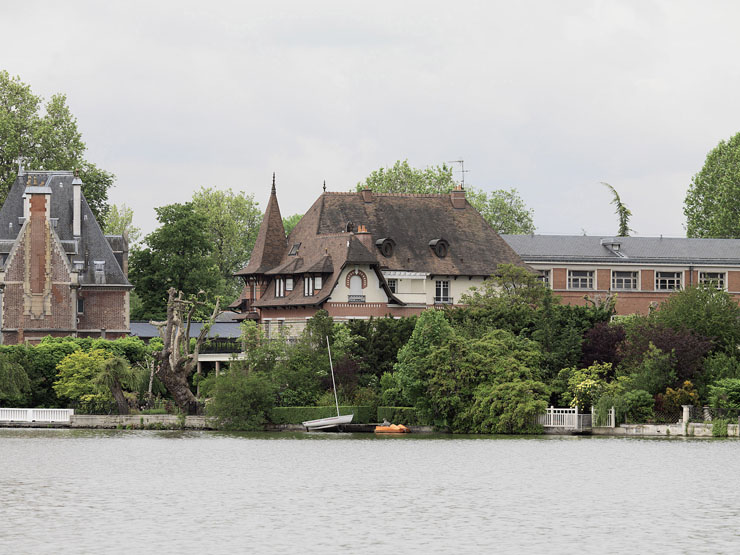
(625, 250)
(328, 238)
(270, 244)
(91, 246)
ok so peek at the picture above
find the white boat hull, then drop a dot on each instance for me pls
(325, 423)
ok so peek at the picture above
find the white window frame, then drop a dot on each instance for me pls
(634, 278)
(720, 282)
(279, 287)
(308, 289)
(289, 284)
(588, 275)
(317, 283)
(672, 279)
(442, 291)
(392, 285)
(544, 277)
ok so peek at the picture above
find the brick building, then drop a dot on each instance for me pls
(60, 275)
(641, 271)
(364, 254)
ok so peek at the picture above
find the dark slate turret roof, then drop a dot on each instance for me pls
(92, 246)
(625, 250)
(270, 244)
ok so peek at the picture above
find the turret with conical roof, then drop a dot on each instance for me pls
(270, 245)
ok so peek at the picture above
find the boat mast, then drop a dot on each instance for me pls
(333, 384)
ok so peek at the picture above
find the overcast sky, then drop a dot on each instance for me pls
(550, 98)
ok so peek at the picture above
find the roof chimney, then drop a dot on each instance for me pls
(365, 238)
(457, 197)
(367, 195)
(76, 206)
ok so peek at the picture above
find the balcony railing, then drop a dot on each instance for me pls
(442, 300)
(221, 346)
(356, 298)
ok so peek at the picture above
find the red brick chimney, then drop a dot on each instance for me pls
(457, 197)
(365, 238)
(367, 195)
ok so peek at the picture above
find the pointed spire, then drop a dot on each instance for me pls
(324, 185)
(273, 183)
(271, 243)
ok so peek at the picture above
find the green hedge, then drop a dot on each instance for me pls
(296, 415)
(400, 415)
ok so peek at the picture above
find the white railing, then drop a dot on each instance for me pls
(35, 415)
(560, 418)
(611, 420)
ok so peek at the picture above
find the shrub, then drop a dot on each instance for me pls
(509, 407)
(725, 394)
(586, 385)
(638, 406)
(241, 401)
(719, 427)
(655, 372)
(401, 415)
(673, 399)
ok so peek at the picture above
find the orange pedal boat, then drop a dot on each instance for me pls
(392, 429)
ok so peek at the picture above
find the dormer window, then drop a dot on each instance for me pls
(279, 287)
(349, 227)
(294, 249)
(99, 271)
(440, 247)
(385, 246)
(79, 265)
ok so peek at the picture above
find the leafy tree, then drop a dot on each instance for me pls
(179, 254)
(46, 141)
(725, 394)
(377, 342)
(120, 221)
(290, 222)
(114, 374)
(232, 223)
(623, 213)
(15, 387)
(707, 311)
(711, 205)
(504, 210)
(600, 343)
(76, 380)
(241, 401)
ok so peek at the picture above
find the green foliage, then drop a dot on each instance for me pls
(623, 213)
(48, 140)
(719, 427)
(707, 311)
(297, 415)
(716, 367)
(638, 406)
(232, 223)
(673, 399)
(586, 385)
(391, 392)
(15, 387)
(509, 407)
(503, 210)
(375, 343)
(178, 254)
(241, 401)
(711, 203)
(76, 381)
(655, 372)
(725, 394)
(120, 221)
(401, 415)
(290, 222)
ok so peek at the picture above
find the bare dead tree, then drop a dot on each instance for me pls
(177, 359)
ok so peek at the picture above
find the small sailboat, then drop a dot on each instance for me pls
(332, 421)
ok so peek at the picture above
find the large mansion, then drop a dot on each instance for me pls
(364, 254)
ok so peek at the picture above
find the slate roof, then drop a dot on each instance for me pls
(631, 250)
(224, 330)
(329, 241)
(270, 244)
(91, 246)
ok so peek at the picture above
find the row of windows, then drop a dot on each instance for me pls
(311, 284)
(625, 281)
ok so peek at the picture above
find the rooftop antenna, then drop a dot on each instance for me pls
(324, 185)
(463, 171)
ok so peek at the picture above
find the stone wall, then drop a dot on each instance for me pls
(138, 421)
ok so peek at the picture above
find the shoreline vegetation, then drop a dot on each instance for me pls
(490, 366)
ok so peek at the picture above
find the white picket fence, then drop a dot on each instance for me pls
(571, 419)
(35, 415)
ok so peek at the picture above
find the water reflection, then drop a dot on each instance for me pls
(115, 491)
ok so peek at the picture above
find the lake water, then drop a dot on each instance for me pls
(83, 491)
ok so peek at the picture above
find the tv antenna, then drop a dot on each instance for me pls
(463, 171)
